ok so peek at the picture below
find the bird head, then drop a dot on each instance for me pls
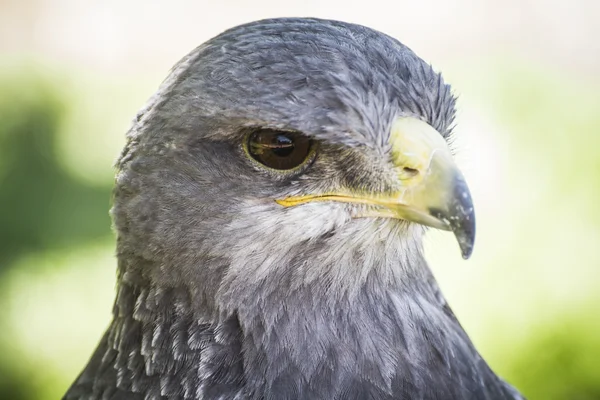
(289, 151)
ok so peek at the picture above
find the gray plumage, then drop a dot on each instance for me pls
(224, 294)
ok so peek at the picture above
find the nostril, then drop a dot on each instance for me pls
(410, 172)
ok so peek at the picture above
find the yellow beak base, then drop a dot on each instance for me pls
(433, 191)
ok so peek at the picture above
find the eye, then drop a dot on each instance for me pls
(278, 149)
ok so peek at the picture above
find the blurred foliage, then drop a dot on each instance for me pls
(550, 229)
(560, 361)
(42, 207)
(57, 268)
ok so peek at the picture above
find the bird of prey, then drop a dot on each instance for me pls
(270, 205)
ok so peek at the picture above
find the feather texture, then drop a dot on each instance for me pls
(222, 293)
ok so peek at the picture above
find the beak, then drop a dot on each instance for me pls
(432, 190)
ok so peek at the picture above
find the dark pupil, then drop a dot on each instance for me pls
(278, 150)
(283, 146)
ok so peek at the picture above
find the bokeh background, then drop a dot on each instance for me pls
(73, 74)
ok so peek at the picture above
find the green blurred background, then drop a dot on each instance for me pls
(74, 73)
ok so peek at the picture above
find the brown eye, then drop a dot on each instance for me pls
(279, 150)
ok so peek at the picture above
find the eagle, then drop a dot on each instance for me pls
(270, 206)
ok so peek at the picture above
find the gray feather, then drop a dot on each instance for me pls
(222, 293)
